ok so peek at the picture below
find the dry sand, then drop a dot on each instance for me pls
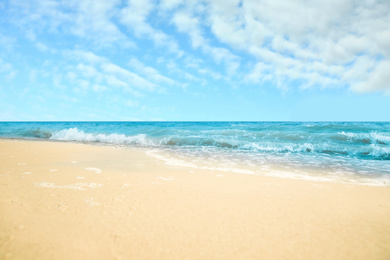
(76, 201)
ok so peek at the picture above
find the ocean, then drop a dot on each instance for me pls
(349, 152)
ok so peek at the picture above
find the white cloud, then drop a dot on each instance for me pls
(377, 80)
(151, 73)
(317, 42)
(259, 72)
(358, 72)
(88, 71)
(201, 67)
(175, 70)
(89, 19)
(170, 4)
(131, 79)
(114, 81)
(82, 55)
(186, 22)
(320, 44)
(212, 74)
(135, 15)
(101, 74)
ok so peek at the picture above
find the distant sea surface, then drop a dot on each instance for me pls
(352, 152)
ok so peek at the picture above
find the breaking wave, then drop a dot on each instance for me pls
(73, 134)
(345, 149)
(365, 145)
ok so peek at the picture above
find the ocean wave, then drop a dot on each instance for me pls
(371, 145)
(367, 138)
(373, 151)
(73, 134)
(37, 133)
(355, 151)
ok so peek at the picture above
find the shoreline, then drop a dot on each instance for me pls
(62, 200)
(285, 174)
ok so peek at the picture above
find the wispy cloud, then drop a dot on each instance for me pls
(308, 40)
(134, 16)
(151, 73)
(131, 79)
(85, 72)
(89, 20)
(187, 22)
(147, 55)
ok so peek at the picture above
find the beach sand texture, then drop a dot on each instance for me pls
(77, 201)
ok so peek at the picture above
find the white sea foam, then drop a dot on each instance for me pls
(284, 167)
(269, 142)
(369, 137)
(73, 134)
(170, 160)
(329, 149)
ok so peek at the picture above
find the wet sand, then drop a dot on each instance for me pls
(77, 201)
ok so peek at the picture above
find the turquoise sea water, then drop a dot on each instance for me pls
(356, 152)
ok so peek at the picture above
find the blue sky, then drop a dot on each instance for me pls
(301, 60)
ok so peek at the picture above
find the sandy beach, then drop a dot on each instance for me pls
(78, 201)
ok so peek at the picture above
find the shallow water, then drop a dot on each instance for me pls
(333, 151)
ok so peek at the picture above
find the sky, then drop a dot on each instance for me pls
(176, 60)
